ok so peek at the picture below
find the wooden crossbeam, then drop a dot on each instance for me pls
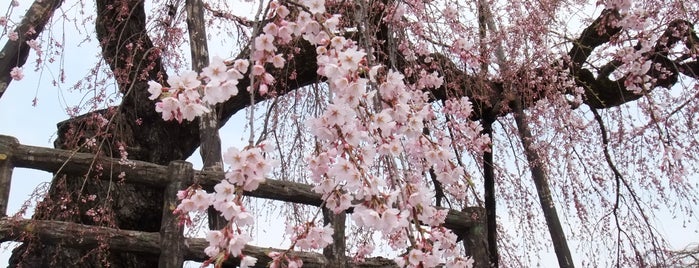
(89, 236)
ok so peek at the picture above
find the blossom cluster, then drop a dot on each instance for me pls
(310, 236)
(248, 169)
(374, 118)
(183, 99)
(378, 120)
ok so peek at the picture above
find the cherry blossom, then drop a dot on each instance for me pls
(34, 44)
(216, 71)
(17, 73)
(309, 236)
(197, 200)
(315, 6)
(278, 61)
(241, 65)
(237, 243)
(395, 206)
(185, 81)
(265, 42)
(248, 261)
(169, 109)
(155, 89)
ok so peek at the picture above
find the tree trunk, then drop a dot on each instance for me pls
(536, 166)
(119, 25)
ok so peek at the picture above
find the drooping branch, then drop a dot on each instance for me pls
(15, 53)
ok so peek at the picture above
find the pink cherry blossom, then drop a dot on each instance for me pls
(365, 216)
(237, 243)
(244, 219)
(35, 46)
(258, 69)
(278, 61)
(284, 34)
(282, 11)
(349, 59)
(169, 109)
(248, 261)
(219, 92)
(332, 22)
(193, 110)
(337, 202)
(212, 251)
(241, 65)
(155, 89)
(302, 20)
(216, 71)
(229, 209)
(17, 73)
(271, 29)
(187, 80)
(265, 42)
(225, 191)
(232, 157)
(199, 201)
(315, 6)
(415, 257)
(215, 238)
(461, 263)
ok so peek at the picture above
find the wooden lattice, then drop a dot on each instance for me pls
(170, 242)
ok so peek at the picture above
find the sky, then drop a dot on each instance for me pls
(36, 124)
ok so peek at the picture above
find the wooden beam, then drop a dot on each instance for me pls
(55, 160)
(88, 236)
(7, 146)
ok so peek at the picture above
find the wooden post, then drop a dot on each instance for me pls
(172, 247)
(7, 146)
(335, 252)
(210, 148)
(476, 245)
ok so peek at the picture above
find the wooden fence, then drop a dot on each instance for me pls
(170, 242)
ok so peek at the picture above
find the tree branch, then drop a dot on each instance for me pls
(15, 53)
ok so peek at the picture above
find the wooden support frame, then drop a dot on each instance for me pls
(170, 242)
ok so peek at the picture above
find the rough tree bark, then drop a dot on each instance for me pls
(121, 29)
(127, 49)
